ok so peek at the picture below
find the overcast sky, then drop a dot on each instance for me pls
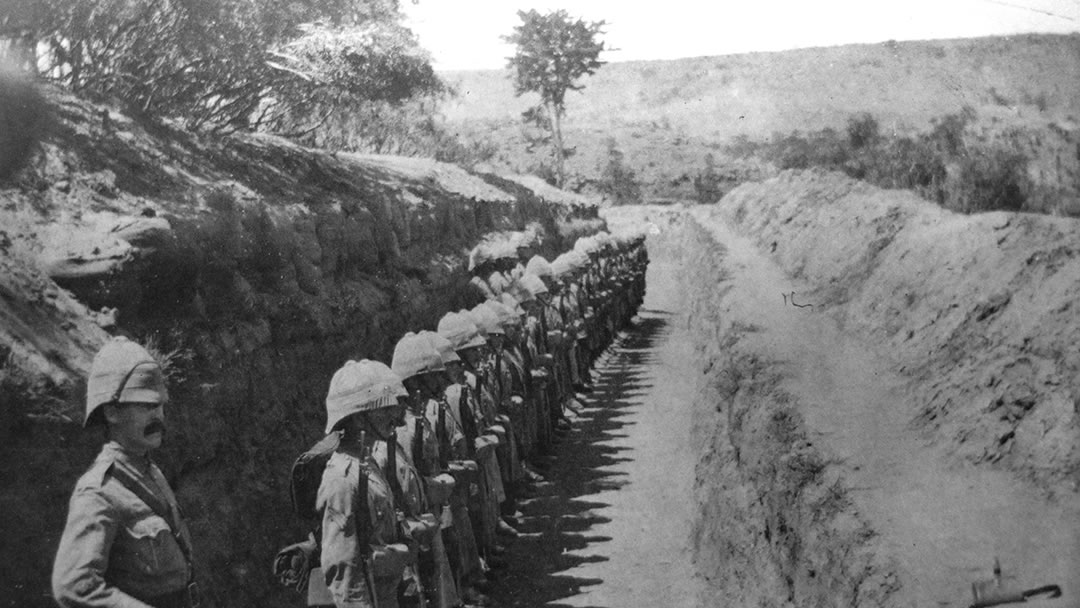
(465, 34)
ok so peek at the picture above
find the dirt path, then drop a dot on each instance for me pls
(613, 529)
(943, 522)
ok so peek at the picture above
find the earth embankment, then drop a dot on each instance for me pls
(254, 267)
(977, 310)
(888, 399)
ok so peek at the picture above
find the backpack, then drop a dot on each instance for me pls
(307, 474)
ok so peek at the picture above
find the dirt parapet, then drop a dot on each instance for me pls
(977, 310)
(254, 268)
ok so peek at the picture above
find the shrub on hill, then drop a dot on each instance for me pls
(950, 164)
(618, 182)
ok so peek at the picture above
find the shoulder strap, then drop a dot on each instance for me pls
(361, 511)
(158, 506)
(391, 472)
(418, 444)
(468, 421)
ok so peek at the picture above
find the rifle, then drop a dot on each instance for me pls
(362, 513)
(468, 422)
(418, 447)
(442, 436)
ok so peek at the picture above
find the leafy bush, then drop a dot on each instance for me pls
(948, 164)
(708, 185)
(618, 182)
(285, 65)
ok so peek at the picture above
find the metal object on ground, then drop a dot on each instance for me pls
(993, 593)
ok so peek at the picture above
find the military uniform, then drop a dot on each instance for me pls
(116, 552)
(344, 569)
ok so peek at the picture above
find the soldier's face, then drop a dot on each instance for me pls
(139, 427)
(435, 383)
(456, 371)
(473, 356)
(384, 420)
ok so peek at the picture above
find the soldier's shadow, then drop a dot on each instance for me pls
(557, 524)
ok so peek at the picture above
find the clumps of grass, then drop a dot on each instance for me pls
(950, 164)
(27, 396)
(175, 359)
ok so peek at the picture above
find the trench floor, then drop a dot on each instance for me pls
(942, 521)
(612, 527)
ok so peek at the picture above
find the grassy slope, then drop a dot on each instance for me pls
(667, 114)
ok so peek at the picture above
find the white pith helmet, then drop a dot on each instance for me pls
(361, 386)
(122, 372)
(415, 355)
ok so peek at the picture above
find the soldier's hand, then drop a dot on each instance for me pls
(390, 560)
(464, 472)
(485, 444)
(497, 430)
(440, 488)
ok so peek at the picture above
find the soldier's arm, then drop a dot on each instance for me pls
(78, 577)
(342, 556)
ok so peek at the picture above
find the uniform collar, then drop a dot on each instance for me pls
(118, 454)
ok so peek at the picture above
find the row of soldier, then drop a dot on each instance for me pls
(416, 484)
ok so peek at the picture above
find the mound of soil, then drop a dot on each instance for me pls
(976, 309)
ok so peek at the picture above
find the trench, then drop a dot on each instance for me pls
(742, 450)
(611, 526)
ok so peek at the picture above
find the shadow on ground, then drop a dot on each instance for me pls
(559, 519)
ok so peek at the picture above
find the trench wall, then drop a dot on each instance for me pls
(255, 268)
(979, 310)
(775, 526)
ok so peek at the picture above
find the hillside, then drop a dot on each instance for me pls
(666, 115)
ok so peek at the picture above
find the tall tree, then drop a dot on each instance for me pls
(553, 51)
(223, 64)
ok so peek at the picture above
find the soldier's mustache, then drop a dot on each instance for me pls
(156, 426)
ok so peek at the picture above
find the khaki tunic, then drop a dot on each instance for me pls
(115, 551)
(342, 555)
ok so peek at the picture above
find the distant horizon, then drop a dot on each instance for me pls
(802, 48)
(466, 35)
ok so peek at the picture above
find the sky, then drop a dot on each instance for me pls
(465, 34)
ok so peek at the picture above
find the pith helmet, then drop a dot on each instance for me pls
(508, 300)
(122, 372)
(487, 320)
(498, 283)
(460, 331)
(565, 264)
(361, 386)
(442, 345)
(533, 284)
(505, 314)
(585, 245)
(538, 266)
(415, 355)
(479, 255)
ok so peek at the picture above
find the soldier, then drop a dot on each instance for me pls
(362, 557)
(471, 397)
(419, 462)
(542, 366)
(558, 342)
(458, 432)
(499, 386)
(125, 543)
